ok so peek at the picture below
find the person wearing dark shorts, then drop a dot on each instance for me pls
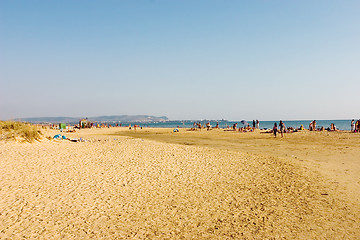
(275, 129)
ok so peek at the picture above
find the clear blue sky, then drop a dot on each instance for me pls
(184, 59)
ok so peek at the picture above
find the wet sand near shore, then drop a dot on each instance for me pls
(135, 188)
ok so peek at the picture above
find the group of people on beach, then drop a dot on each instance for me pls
(355, 127)
(312, 127)
(278, 128)
(197, 125)
(282, 128)
(246, 127)
(234, 127)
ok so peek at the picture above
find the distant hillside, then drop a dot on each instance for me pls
(116, 118)
(49, 120)
(128, 118)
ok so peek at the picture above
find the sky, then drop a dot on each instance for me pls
(184, 59)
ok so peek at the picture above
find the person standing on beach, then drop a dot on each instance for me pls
(254, 124)
(275, 129)
(257, 124)
(282, 128)
(310, 126)
(199, 126)
(353, 125)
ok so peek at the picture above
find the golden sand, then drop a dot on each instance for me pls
(118, 187)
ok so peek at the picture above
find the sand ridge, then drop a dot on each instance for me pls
(119, 187)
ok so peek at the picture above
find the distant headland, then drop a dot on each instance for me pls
(112, 118)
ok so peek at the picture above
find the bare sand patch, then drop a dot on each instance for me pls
(335, 155)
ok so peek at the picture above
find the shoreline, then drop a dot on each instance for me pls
(342, 124)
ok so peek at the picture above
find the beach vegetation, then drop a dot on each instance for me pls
(19, 130)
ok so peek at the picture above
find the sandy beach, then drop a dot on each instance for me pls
(156, 184)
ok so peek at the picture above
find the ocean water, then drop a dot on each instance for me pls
(340, 124)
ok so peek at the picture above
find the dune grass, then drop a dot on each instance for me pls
(16, 130)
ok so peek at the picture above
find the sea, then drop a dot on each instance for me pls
(340, 124)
